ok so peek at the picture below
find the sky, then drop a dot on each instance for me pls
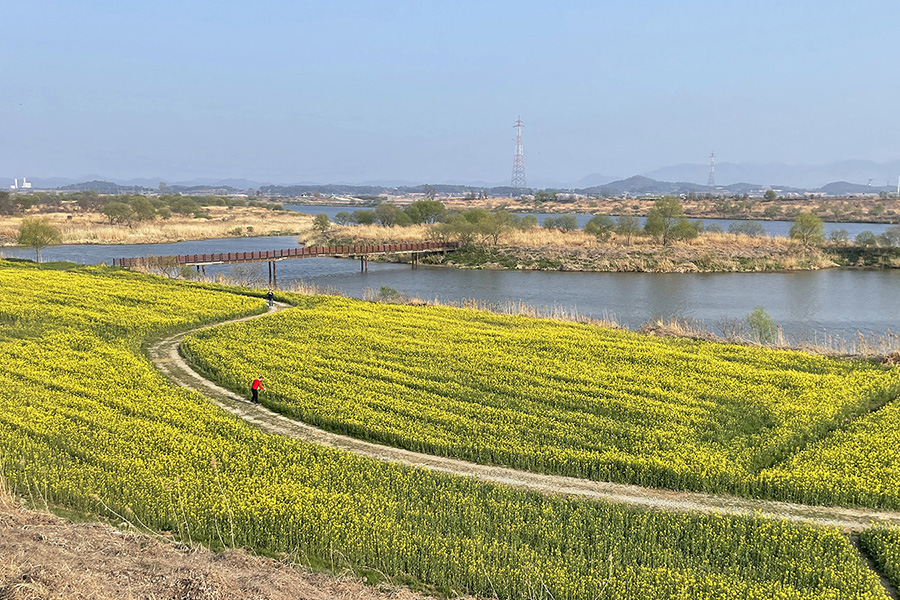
(428, 91)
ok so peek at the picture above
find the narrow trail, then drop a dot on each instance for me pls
(164, 354)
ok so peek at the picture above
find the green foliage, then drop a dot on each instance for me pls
(117, 212)
(343, 217)
(770, 196)
(476, 226)
(425, 211)
(142, 209)
(772, 211)
(8, 205)
(600, 226)
(628, 227)
(761, 325)
(183, 205)
(890, 237)
(751, 228)
(808, 229)
(364, 217)
(37, 234)
(321, 223)
(562, 222)
(866, 238)
(528, 222)
(839, 236)
(386, 214)
(666, 221)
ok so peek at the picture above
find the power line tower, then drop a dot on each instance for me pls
(711, 182)
(518, 174)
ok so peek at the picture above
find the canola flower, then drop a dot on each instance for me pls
(85, 421)
(558, 397)
(882, 543)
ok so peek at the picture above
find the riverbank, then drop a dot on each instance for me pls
(219, 222)
(554, 250)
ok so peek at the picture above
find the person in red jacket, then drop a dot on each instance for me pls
(255, 387)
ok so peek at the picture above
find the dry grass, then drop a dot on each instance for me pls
(540, 237)
(94, 228)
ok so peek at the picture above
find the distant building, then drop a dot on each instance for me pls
(25, 185)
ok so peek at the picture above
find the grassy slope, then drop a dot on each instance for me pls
(549, 396)
(87, 422)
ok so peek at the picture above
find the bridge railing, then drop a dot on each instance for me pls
(257, 256)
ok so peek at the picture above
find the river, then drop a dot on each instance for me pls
(807, 304)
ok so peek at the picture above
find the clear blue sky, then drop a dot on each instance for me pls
(349, 91)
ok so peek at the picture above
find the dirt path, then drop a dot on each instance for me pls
(164, 354)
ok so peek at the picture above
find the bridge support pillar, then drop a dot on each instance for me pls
(269, 264)
(363, 264)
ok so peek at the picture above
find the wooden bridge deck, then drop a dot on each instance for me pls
(192, 260)
(272, 256)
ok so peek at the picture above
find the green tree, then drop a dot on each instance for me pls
(628, 227)
(496, 224)
(808, 229)
(37, 234)
(761, 325)
(117, 212)
(363, 217)
(321, 223)
(890, 237)
(343, 217)
(183, 205)
(839, 236)
(666, 221)
(562, 222)
(770, 196)
(751, 228)
(7, 205)
(772, 211)
(528, 222)
(600, 226)
(866, 239)
(142, 209)
(386, 214)
(425, 211)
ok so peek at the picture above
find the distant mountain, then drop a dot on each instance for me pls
(843, 188)
(640, 185)
(774, 174)
(101, 187)
(593, 180)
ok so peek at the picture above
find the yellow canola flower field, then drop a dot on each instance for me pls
(882, 543)
(85, 421)
(558, 397)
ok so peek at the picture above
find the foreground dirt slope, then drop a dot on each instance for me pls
(47, 558)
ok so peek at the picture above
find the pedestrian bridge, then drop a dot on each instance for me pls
(273, 256)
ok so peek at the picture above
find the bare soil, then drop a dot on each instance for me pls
(45, 557)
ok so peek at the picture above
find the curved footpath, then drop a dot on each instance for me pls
(164, 354)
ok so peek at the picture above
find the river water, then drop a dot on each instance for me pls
(806, 304)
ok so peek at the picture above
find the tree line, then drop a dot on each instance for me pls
(122, 208)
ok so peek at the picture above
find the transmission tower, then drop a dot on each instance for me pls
(711, 182)
(518, 174)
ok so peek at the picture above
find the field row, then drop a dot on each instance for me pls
(572, 399)
(86, 421)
